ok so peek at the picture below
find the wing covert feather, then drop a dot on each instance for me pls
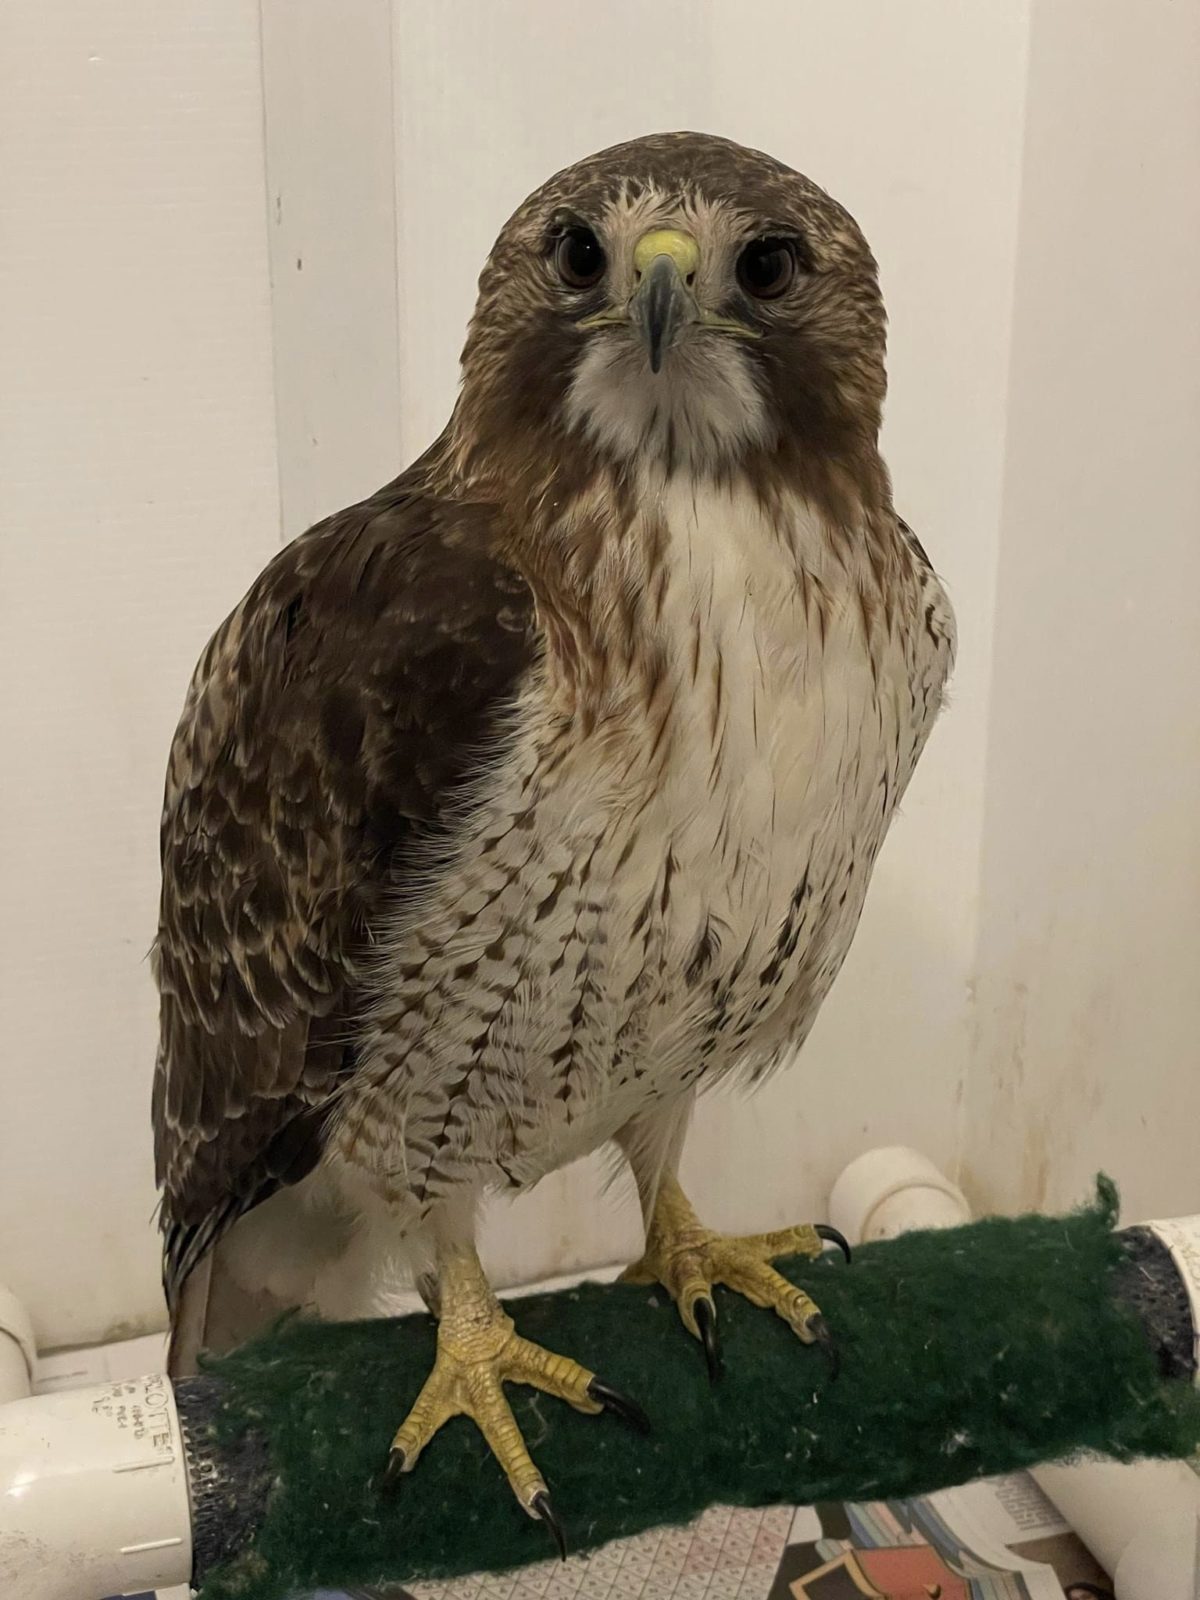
(329, 721)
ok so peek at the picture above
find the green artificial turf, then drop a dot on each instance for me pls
(962, 1353)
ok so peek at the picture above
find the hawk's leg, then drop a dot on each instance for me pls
(478, 1352)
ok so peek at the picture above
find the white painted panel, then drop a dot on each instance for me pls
(327, 77)
(1089, 1005)
(137, 455)
(912, 115)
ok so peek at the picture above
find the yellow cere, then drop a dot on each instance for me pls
(681, 247)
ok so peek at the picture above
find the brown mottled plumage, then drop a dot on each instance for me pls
(329, 722)
(518, 802)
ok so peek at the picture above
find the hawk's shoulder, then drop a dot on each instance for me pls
(330, 720)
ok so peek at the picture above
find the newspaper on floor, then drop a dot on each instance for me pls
(997, 1539)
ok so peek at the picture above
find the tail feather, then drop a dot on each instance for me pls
(189, 1321)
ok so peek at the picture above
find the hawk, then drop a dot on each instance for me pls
(523, 800)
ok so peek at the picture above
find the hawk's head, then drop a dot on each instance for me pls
(679, 301)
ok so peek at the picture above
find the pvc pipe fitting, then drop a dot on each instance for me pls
(893, 1190)
(94, 1493)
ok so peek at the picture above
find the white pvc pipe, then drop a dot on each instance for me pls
(18, 1352)
(93, 1493)
(894, 1190)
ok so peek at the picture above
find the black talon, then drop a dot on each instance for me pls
(832, 1236)
(541, 1507)
(395, 1466)
(819, 1329)
(619, 1404)
(705, 1314)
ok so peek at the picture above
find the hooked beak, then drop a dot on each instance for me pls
(661, 306)
(665, 262)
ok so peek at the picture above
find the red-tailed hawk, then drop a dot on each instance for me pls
(519, 802)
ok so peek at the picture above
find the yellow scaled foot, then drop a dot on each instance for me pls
(479, 1350)
(688, 1259)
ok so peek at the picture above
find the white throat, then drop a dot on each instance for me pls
(700, 412)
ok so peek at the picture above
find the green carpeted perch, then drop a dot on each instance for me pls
(967, 1352)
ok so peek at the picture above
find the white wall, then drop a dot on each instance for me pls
(331, 208)
(137, 454)
(1088, 989)
(207, 249)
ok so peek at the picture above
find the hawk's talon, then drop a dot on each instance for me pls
(832, 1236)
(688, 1259)
(391, 1473)
(619, 1404)
(478, 1352)
(704, 1315)
(818, 1329)
(541, 1506)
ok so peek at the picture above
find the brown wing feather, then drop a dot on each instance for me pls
(329, 721)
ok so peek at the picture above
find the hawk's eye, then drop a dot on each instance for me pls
(766, 267)
(579, 258)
